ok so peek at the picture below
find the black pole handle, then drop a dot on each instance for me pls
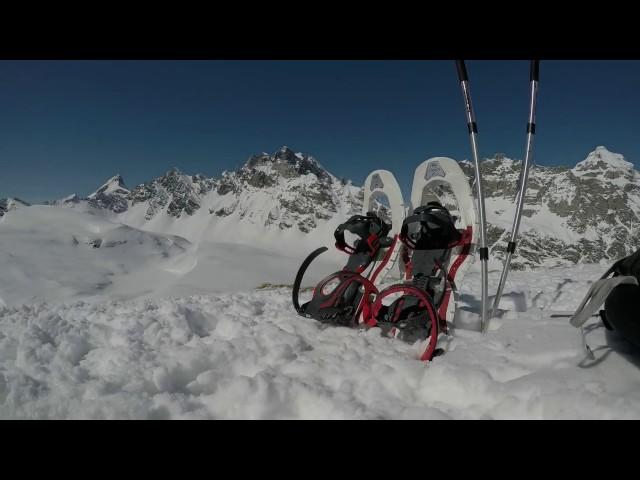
(462, 71)
(535, 71)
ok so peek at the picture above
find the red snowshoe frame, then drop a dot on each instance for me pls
(347, 298)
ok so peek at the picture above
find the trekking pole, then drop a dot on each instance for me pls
(522, 187)
(473, 133)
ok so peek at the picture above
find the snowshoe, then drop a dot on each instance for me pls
(338, 299)
(430, 235)
(441, 197)
(438, 246)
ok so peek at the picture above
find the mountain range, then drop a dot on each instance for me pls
(584, 214)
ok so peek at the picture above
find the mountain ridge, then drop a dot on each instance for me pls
(585, 213)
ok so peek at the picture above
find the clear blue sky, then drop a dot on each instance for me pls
(66, 126)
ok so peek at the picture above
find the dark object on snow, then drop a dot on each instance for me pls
(621, 312)
(622, 306)
(619, 289)
(628, 266)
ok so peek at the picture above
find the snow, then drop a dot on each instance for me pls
(189, 331)
(501, 211)
(52, 253)
(248, 355)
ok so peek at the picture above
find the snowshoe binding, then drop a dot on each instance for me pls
(338, 299)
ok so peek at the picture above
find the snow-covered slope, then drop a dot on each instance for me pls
(585, 214)
(248, 355)
(57, 254)
(54, 254)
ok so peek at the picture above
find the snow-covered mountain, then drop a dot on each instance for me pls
(7, 204)
(284, 190)
(113, 195)
(274, 200)
(585, 214)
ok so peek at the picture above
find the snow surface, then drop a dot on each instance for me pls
(158, 327)
(248, 355)
(52, 253)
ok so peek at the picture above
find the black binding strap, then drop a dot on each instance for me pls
(303, 268)
(511, 247)
(473, 127)
(484, 253)
(360, 225)
(531, 128)
(426, 215)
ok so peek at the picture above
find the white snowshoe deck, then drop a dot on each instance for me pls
(442, 179)
(381, 184)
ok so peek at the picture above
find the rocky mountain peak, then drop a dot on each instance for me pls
(286, 163)
(115, 185)
(7, 204)
(285, 154)
(112, 195)
(603, 162)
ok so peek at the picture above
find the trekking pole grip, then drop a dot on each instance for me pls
(535, 71)
(462, 71)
